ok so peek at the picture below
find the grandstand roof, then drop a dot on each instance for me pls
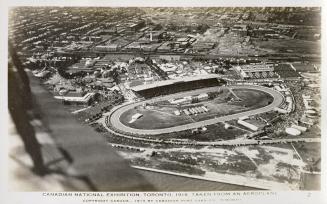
(173, 81)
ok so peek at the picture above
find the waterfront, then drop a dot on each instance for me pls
(166, 182)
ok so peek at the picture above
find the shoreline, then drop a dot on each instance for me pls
(229, 179)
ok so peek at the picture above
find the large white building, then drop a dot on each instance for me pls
(255, 71)
(78, 98)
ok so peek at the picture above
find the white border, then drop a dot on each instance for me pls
(282, 197)
(166, 3)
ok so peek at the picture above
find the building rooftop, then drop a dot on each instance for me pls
(173, 81)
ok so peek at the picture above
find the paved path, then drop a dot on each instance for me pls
(115, 114)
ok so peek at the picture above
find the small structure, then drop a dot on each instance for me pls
(202, 97)
(177, 112)
(199, 109)
(204, 108)
(194, 110)
(89, 62)
(243, 118)
(180, 101)
(280, 110)
(186, 112)
(307, 121)
(310, 113)
(227, 126)
(135, 117)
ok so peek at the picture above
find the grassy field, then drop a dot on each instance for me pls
(156, 117)
(153, 119)
(215, 132)
(289, 46)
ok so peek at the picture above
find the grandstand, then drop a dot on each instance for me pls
(286, 71)
(256, 71)
(166, 87)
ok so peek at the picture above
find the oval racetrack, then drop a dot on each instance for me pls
(115, 114)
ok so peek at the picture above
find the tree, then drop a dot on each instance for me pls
(158, 27)
(202, 28)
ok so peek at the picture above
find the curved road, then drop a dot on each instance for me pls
(114, 114)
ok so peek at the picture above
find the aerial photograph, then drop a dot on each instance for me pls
(164, 98)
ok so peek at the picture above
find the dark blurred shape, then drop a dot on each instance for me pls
(19, 103)
(89, 157)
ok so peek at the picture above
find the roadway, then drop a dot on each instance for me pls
(115, 114)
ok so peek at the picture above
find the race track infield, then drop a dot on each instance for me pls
(154, 127)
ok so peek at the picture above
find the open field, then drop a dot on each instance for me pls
(289, 46)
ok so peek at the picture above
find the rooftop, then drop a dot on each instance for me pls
(173, 81)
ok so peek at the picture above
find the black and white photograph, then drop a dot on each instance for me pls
(164, 99)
